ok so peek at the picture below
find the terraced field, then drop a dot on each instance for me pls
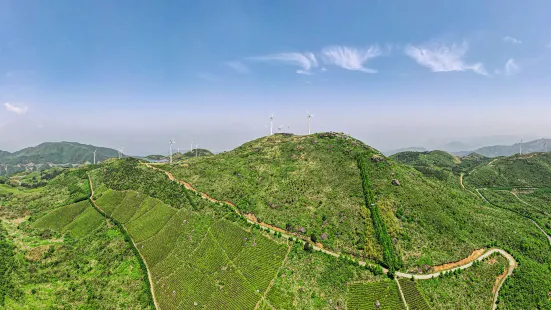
(412, 295)
(368, 295)
(196, 260)
(79, 218)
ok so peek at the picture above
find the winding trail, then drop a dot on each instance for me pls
(149, 277)
(318, 247)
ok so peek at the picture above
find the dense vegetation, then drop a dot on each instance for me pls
(390, 258)
(57, 153)
(532, 170)
(471, 288)
(368, 295)
(7, 260)
(202, 254)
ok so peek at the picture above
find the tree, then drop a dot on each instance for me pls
(314, 238)
(308, 247)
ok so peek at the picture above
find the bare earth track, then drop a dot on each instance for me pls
(468, 262)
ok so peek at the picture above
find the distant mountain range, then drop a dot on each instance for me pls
(57, 153)
(508, 150)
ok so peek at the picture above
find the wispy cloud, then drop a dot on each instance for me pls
(511, 67)
(306, 61)
(511, 40)
(209, 77)
(350, 58)
(238, 67)
(443, 58)
(16, 109)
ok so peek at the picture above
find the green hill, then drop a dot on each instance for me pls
(532, 170)
(58, 153)
(287, 193)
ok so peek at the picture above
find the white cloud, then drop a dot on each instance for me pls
(238, 66)
(511, 40)
(511, 67)
(442, 58)
(16, 109)
(305, 61)
(350, 58)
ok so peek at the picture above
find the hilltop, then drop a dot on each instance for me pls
(57, 153)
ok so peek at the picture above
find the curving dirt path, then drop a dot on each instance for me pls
(252, 219)
(149, 277)
(461, 180)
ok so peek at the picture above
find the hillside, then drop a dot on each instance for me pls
(58, 153)
(531, 170)
(440, 165)
(286, 222)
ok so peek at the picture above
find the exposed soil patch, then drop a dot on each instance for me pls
(474, 255)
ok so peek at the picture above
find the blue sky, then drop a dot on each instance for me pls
(392, 73)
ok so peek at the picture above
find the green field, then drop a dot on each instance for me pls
(414, 298)
(365, 295)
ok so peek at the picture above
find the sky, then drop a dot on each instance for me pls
(391, 73)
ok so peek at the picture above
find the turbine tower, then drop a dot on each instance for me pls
(271, 124)
(280, 128)
(196, 148)
(120, 152)
(309, 117)
(170, 143)
(545, 143)
(521, 147)
(95, 156)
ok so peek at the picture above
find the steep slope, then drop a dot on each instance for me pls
(58, 153)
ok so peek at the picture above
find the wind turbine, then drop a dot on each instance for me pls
(280, 128)
(309, 117)
(170, 143)
(196, 148)
(271, 124)
(120, 152)
(521, 147)
(95, 156)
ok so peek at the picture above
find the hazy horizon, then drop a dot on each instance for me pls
(391, 74)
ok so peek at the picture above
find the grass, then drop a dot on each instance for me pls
(363, 295)
(86, 222)
(128, 206)
(147, 225)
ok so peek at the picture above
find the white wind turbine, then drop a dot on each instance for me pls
(309, 117)
(521, 147)
(271, 124)
(545, 143)
(170, 143)
(280, 128)
(121, 149)
(95, 156)
(196, 148)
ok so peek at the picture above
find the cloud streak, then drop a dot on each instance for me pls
(350, 58)
(511, 67)
(238, 67)
(306, 61)
(511, 40)
(16, 109)
(443, 58)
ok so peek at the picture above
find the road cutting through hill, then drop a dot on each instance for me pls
(477, 255)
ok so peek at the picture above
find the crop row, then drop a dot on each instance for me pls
(61, 217)
(369, 295)
(413, 298)
(147, 225)
(128, 206)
